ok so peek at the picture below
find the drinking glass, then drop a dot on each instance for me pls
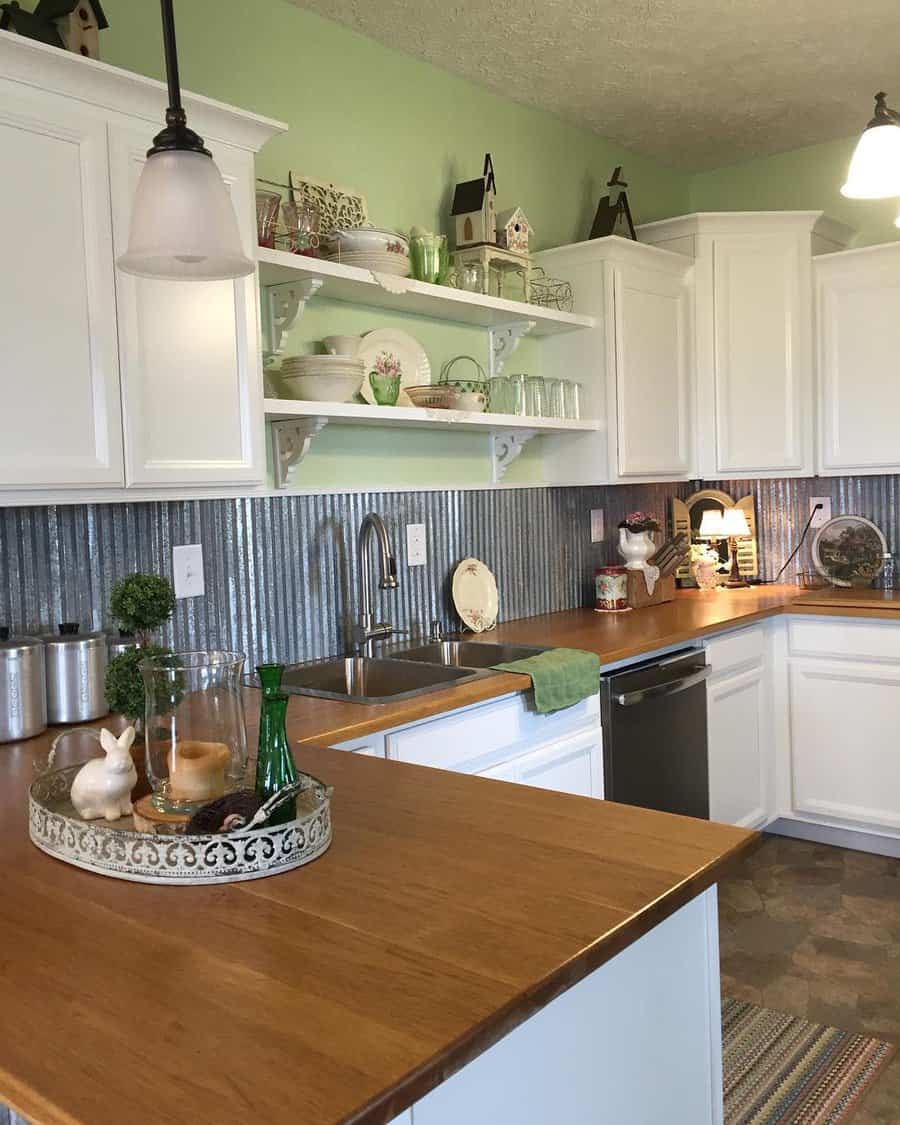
(555, 406)
(267, 204)
(194, 732)
(535, 396)
(302, 220)
(572, 399)
(428, 257)
(516, 394)
(500, 395)
(470, 277)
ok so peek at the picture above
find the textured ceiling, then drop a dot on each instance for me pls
(696, 83)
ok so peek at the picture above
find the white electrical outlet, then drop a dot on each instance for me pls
(187, 571)
(597, 525)
(416, 547)
(823, 515)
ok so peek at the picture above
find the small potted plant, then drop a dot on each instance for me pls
(140, 605)
(636, 543)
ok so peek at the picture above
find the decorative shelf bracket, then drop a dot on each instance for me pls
(282, 307)
(504, 341)
(505, 448)
(291, 439)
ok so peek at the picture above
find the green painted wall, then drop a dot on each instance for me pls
(403, 133)
(805, 179)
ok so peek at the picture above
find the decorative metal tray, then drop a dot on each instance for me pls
(115, 849)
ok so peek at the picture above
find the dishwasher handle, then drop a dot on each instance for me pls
(658, 691)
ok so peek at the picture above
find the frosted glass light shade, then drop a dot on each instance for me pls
(734, 522)
(183, 225)
(712, 525)
(874, 171)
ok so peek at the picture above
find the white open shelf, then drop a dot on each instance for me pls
(294, 424)
(278, 409)
(348, 283)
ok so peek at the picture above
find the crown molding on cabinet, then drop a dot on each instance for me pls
(838, 235)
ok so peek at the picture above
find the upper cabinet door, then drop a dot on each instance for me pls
(858, 322)
(60, 422)
(191, 373)
(652, 373)
(762, 365)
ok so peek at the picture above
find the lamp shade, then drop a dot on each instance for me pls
(874, 171)
(734, 523)
(183, 225)
(712, 525)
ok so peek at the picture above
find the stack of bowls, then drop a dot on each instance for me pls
(369, 248)
(322, 378)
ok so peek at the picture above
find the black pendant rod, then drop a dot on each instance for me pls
(176, 137)
(169, 45)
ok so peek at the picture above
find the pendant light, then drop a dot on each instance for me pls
(875, 168)
(183, 225)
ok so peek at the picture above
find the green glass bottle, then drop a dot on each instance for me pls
(274, 762)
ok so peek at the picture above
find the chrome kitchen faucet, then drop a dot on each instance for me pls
(368, 630)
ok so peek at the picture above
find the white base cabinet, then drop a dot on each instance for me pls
(858, 319)
(585, 1056)
(739, 720)
(844, 699)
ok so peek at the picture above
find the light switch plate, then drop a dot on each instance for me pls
(416, 547)
(597, 525)
(187, 571)
(824, 513)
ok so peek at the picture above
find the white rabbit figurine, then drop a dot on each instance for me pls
(102, 787)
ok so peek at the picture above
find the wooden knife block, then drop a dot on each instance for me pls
(638, 598)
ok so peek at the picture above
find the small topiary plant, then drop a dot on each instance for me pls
(139, 604)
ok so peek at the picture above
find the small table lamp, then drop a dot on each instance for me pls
(730, 524)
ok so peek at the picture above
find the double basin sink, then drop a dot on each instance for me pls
(403, 674)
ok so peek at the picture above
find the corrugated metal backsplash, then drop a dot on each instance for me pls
(281, 571)
(782, 508)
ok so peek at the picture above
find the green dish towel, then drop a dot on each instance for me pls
(561, 676)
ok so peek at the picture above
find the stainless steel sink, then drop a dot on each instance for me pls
(363, 679)
(467, 654)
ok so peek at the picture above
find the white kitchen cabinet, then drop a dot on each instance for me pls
(858, 336)
(506, 739)
(753, 335)
(635, 366)
(190, 359)
(149, 385)
(844, 694)
(739, 706)
(60, 422)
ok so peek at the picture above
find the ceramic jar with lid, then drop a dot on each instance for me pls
(23, 700)
(611, 588)
(76, 675)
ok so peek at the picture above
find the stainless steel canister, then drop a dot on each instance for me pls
(76, 674)
(23, 698)
(122, 643)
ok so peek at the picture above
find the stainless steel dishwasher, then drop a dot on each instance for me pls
(654, 734)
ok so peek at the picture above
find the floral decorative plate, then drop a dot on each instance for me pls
(474, 591)
(415, 370)
(848, 550)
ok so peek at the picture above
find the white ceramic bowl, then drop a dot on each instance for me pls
(371, 238)
(342, 345)
(322, 388)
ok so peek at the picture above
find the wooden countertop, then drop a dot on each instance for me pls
(447, 911)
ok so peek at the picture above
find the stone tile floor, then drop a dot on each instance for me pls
(815, 931)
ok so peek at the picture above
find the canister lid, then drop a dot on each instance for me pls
(13, 647)
(69, 635)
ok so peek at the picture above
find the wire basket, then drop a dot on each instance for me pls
(551, 292)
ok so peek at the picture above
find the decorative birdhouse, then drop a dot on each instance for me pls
(513, 230)
(473, 208)
(74, 25)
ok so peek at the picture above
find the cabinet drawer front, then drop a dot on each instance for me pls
(743, 648)
(842, 640)
(466, 738)
(371, 745)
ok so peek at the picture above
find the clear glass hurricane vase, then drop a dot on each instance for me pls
(194, 730)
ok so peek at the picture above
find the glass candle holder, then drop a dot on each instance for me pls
(194, 731)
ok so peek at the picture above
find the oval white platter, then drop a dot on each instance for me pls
(474, 592)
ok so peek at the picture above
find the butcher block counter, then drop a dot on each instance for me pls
(448, 910)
